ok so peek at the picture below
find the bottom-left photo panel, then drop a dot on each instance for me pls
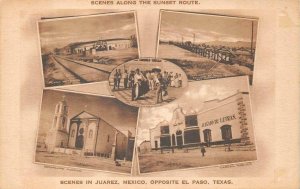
(86, 131)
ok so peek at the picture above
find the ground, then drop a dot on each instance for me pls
(83, 162)
(62, 71)
(197, 67)
(155, 161)
(149, 99)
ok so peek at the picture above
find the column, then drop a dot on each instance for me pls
(114, 147)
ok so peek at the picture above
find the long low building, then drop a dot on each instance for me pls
(91, 47)
(219, 122)
(88, 135)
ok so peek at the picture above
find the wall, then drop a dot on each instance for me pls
(121, 146)
(216, 117)
(90, 140)
(61, 137)
(118, 44)
(103, 145)
(72, 140)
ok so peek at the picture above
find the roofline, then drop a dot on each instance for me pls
(102, 120)
(85, 112)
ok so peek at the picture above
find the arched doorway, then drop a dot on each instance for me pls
(179, 138)
(226, 132)
(173, 140)
(80, 139)
(207, 136)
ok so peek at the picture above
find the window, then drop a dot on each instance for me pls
(91, 133)
(164, 130)
(192, 136)
(107, 138)
(54, 121)
(57, 108)
(179, 132)
(63, 122)
(165, 141)
(81, 130)
(72, 133)
(191, 120)
(207, 135)
(226, 132)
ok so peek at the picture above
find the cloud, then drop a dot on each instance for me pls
(170, 32)
(128, 27)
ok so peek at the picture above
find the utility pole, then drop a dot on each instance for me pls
(252, 40)
(194, 36)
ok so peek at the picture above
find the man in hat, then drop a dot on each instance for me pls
(202, 150)
(160, 87)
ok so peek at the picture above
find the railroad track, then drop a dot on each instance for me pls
(84, 73)
(76, 62)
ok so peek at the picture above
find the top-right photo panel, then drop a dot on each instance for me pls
(208, 46)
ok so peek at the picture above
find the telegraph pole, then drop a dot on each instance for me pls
(252, 40)
(194, 36)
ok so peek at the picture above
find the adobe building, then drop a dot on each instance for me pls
(219, 122)
(92, 47)
(144, 147)
(87, 135)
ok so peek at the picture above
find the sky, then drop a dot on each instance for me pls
(191, 101)
(119, 115)
(57, 33)
(206, 28)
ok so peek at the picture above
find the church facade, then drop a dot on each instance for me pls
(219, 122)
(88, 135)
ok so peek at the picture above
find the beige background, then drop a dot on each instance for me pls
(275, 93)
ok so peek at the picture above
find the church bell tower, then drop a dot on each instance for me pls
(57, 137)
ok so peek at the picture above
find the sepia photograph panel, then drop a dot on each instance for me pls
(208, 46)
(210, 125)
(77, 130)
(86, 49)
(147, 82)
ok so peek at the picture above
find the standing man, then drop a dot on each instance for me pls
(116, 79)
(119, 78)
(125, 79)
(131, 79)
(203, 150)
(180, 80)
(160, 86)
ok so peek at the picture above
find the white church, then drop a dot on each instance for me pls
(88, 135)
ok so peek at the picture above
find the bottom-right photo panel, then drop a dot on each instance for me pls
(211, 124)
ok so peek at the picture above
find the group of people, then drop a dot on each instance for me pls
(140, 82)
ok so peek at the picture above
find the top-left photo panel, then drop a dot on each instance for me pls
(85, 49)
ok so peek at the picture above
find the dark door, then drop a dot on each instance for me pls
(226, 132)
(79, 142)
(173, 140)
(179, 140)
(80, 139)
(156, 144)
